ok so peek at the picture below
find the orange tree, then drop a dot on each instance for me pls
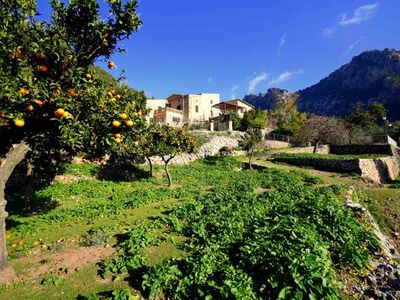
(48, 95)
(168, 142)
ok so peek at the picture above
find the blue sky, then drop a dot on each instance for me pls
(236, 47)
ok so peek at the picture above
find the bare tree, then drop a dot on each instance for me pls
(323, 129)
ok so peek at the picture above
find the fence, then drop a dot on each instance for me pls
(278, 137)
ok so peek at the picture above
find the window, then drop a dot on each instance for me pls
(197, 108)
(178, 107)
(211, 101)
(176, 119)
(159, 107)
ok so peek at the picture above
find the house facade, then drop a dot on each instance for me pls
(236, 105)
(153, 105)
(179, 109)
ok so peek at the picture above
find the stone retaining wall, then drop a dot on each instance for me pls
(376, 171)
(208, 149)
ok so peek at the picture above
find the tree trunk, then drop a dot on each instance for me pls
(166, 162)
(151, 166)
(168, 174)
(29, 186)
(315, 146)
(250, 157)
(14, 156)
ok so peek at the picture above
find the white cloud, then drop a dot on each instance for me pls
(234, 88)
(285, 76)
(256, 81)
(327, 32)
(281, 44)
(352, 45)
(360, 14)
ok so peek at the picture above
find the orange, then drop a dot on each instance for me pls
(71, 91)
(111, 65)
(39, 56)
(117, 140)
(123, 116)
(24, 91)
(88, 76)
(109, 94)
(29, 108)
(129, 123)
(67, 115)
(118, 96)
(117, 135)
(19, 122)
(40, 102)
(59, 112)
(43, 68)
(135, 143)
(116, 123)
(57, 91)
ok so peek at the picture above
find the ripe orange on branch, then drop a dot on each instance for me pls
(117, 140)
(29, 108)
(43, 68)
(39, 56)
(116, 123)
(40, 102)
(24, 91)
(67, 115)
(19, 122)
(123, 116)
(88, 76)
(59, 112)
(129, 123)
(117, 135)
(71, 91)
(111, 65)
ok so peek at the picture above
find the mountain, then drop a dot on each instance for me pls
(268, 100)
(371, 76)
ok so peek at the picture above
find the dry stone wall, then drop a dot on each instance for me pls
(208, 149)
(376, 171)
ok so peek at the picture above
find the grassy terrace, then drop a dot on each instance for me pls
(220, 231)
(328, 156)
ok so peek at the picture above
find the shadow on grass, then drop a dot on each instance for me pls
(121, 172)
(39, 204)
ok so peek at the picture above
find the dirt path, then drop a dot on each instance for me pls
(66, 261)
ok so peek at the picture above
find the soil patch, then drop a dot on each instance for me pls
(70, 259)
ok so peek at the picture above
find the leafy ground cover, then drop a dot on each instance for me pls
(221, 231)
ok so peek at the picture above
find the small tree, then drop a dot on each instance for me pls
(250, 141)
(255, 118)
(170, 141)
(323, 129)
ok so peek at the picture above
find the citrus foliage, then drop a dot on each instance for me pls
(46, 87)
